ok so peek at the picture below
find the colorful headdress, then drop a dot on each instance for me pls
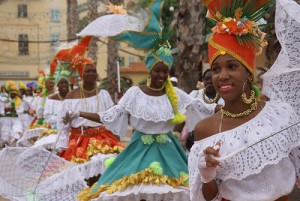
(11, 87)
(154, 39)
(74, 56)
(62, 74)
(41, 79)
(31, 85)
(236, 32)
(22, 86)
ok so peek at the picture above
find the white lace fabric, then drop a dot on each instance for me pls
(102, 103)
(53, 111)
(237, 172)
(36, 173)
(282, 81)
(10, 127)
(276, 159)
(152, 114)
(146, 192)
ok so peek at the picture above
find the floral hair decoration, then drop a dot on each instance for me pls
(236, 31)
(74, 57)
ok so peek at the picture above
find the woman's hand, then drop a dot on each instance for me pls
(70, 115)
(207, 165)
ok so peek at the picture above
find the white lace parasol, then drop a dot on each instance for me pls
(111, 25)
(282, 81)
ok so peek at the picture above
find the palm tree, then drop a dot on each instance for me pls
(189, 21)
(112, 58)
(72, 19)
(92, 15)
(274, 47)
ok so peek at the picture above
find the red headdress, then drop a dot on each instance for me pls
(236, 32)
(74, 56)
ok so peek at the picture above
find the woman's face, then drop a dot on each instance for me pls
(229, 76)
(63, 86)
(29, 92)
(159, 74)
(207, 81)
(49, 84)
(90, 74)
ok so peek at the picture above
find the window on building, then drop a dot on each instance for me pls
(130, 59)
(55, 15)
(23, 44)
(122, 61)
(22, 10)
(54, 38)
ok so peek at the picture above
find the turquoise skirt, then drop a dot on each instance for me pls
(141, 153)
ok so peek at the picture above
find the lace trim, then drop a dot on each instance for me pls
(152, 108)
(274, 117)
(90, 103)
(28, 135)
(60, 180)
(146, 176)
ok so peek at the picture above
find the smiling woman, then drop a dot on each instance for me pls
(250, 151)
(88, 138)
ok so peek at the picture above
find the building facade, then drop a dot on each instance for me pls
(29, 35)
(29, 31)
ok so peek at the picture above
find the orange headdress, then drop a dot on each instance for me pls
(74, 56)
(236, 32)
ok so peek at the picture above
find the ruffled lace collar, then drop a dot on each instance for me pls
(273, 118)
(152, 108)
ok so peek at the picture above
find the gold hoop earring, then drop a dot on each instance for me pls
(244, 95)
(212, 101)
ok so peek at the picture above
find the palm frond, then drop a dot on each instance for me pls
(160, 39)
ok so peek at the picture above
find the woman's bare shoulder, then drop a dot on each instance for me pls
(207, 127)
(54, 97)
(74, 94)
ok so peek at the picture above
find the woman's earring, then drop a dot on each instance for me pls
(244, 95)
(149, 81)
(212, 101)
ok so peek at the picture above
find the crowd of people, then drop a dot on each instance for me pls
(223, 141)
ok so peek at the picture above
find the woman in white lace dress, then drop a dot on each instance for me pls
(87, 138)
(153, 166)
(53, 109)
(237, 157)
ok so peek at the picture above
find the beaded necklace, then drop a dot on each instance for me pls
(84, 102)
(252, 108)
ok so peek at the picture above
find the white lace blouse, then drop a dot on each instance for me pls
(93, 104)
(264, 172)
(152, 114)
(53, 111)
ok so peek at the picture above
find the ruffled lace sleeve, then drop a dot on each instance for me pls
(272, 135)
(194, 108)
(115, 118)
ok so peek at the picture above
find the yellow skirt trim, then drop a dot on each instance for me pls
(144, 177)
(94, 148)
